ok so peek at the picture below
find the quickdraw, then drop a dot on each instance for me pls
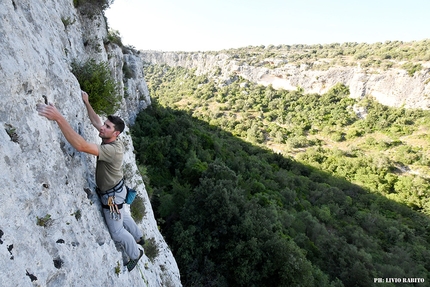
(113, 208)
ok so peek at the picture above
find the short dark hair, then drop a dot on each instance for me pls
(118, 122)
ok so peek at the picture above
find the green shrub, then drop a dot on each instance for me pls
(115, 37)
(92, 5)
(97, 81)
(411, 68)
(137, 209)
(151, 249)
(337, 136)
(298, 142)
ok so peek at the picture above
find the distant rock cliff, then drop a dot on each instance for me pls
(52, 232)
(393, 87)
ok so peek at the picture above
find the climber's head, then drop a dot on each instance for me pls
(111, 129)
(118, 123)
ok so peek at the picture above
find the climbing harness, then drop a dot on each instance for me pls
(112, 206)
(116, 188)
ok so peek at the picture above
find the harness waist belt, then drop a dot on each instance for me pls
(114, 189)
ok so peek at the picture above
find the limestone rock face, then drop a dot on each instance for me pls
(392, 88)
(52, 232)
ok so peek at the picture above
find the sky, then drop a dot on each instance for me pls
(213, 25)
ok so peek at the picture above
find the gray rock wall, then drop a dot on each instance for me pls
(393, 87)
(51, 229)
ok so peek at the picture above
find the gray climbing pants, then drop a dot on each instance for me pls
(123, 230)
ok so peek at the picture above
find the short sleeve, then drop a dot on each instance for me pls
(106, 152)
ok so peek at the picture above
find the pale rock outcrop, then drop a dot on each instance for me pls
(52, 232)
(393, 87)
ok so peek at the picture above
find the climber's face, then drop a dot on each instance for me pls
(108, 132)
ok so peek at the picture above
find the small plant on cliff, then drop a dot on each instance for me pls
(92, 6)
(67, 21)
(97, 81)
(77, 214)
(44, 221)
(151, 249)
(11, 131)
(137, 209)
(117, 268)
(115, 37)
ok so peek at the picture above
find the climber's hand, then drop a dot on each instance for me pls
(84, 97)
(48, 111)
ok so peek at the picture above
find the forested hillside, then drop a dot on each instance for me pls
(391, 54)
(254, 186)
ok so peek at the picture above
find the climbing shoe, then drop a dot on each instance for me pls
(132, 263)
(141, 241)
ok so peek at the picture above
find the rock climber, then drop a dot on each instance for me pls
(109, 174)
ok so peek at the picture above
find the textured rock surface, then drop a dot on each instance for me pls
(51, 229)
(393, 87)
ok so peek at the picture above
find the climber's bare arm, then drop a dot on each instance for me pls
(94, 118)
(78, 142)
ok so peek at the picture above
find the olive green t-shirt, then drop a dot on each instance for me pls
(109, 165)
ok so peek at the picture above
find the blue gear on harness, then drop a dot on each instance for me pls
(131, 194)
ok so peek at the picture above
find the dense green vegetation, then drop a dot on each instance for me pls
(387, 151)
(96, 79)
(260, 187)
